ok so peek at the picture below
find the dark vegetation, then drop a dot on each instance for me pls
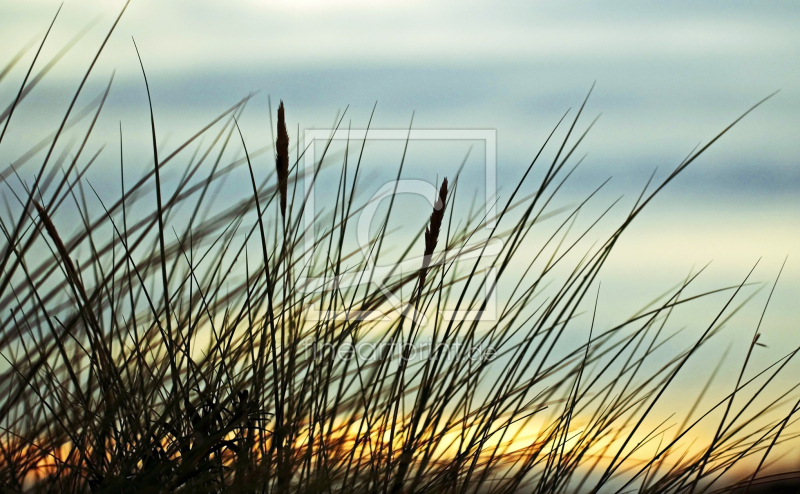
(162, 344)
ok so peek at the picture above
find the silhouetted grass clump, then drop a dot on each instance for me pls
(168, 344)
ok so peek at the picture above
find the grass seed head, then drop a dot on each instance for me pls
(282, 157)
(433, 229)
(432, 232)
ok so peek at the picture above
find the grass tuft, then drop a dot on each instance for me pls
(166, 338)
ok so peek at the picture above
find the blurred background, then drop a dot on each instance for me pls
(669, 76)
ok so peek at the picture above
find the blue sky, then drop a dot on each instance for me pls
(669, 75)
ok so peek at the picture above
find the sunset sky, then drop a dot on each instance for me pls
(669, 75)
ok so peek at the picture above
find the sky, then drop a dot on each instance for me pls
(668, 75)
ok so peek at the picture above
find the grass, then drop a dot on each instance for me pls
(164, 345)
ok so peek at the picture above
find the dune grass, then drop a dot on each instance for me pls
(165, 344)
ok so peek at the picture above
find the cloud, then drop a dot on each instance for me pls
(359, 32)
